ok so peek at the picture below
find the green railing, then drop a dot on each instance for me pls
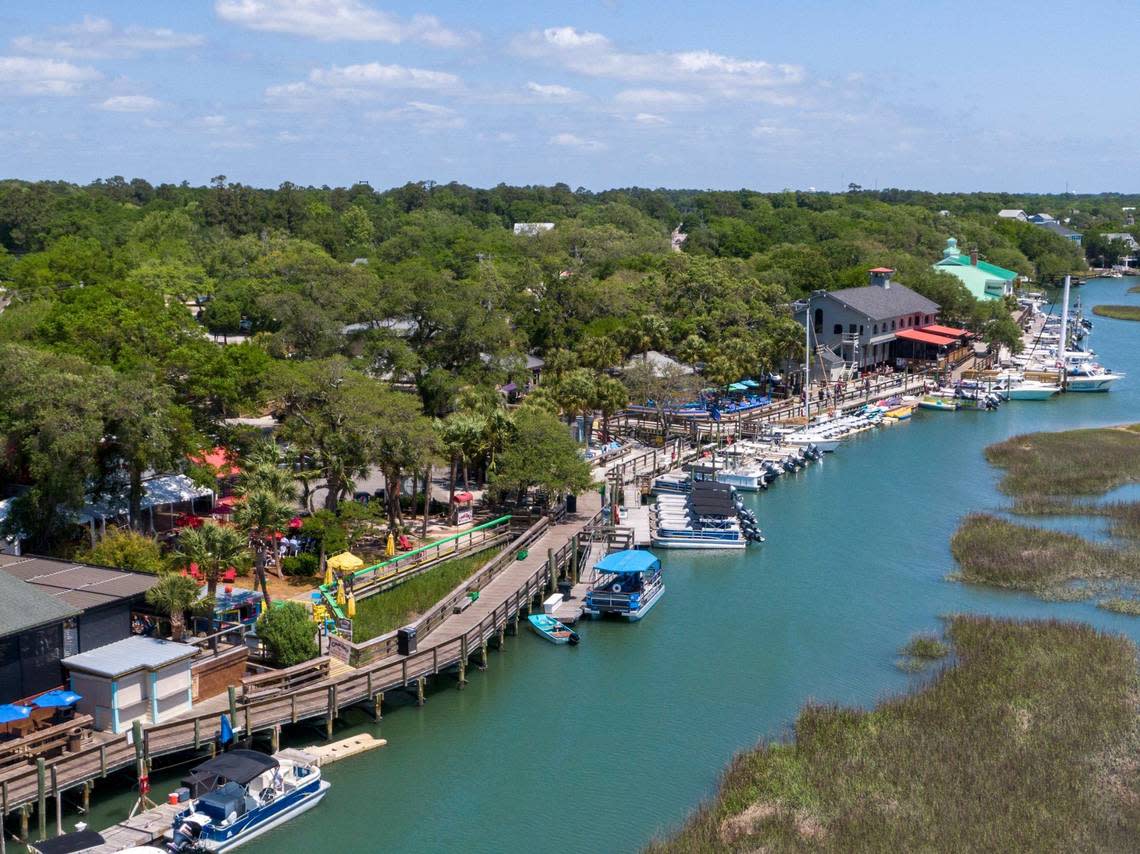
(415, 558)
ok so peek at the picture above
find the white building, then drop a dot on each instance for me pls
(1010, 213)
(135, 679)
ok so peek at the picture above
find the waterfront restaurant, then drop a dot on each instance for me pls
(933, 344)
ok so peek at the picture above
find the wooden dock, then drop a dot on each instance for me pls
(143, 829)
(449, 636)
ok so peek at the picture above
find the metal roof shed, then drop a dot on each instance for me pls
(134, 679)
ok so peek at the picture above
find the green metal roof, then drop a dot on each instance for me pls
(992, 269)
(23, 606)
(974, 278)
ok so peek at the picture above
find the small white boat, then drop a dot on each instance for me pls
(1032, 390)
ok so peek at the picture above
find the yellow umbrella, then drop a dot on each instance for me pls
(345, 562)
(351, 608)
(340, 594)
(328, 574)
(390, 549)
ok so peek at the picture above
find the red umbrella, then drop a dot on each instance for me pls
(295, 523)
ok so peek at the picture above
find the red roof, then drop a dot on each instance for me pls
(219, 460)
(463, 497)
(951, 331)
(882, 270)
(924, 337)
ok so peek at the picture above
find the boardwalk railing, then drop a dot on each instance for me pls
(380, 576)
(385, 645)
(292, 702)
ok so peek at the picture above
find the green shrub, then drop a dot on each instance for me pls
(288, 633)
(124, 549)
(303, 565)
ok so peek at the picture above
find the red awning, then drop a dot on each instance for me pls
(463, 497)
(925, 337)
(219, 460)
(945, 330)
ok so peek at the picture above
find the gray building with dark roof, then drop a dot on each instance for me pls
(860, 324)
(51, 609)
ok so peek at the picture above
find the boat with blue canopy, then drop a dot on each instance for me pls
(629, 585)
(551, 629)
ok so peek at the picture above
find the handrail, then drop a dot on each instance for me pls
(324, 698)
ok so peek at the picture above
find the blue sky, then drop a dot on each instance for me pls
(599, 93)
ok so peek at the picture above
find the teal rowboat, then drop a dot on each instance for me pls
(552, 630)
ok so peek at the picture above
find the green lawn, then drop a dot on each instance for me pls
(399, 606)
(1119, 312)
(1029, 742)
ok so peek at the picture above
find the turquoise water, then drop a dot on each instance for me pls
(602, 746)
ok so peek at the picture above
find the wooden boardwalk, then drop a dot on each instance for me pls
(449, 635)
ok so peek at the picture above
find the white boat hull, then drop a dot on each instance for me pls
(1032, 393)
(301, 807)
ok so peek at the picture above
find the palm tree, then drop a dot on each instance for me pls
(261, 515)
(213, 548)
(266, 469)
(173, 595)
(610, 396)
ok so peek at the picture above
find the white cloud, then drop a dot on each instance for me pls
(661, 99)
(130, 104)
(595, 55)
(211, 122)
(553, 91)
(98, 38)
(21, 75)
(650, 119)
(338, 20)
(356, 82)
(569, 140)
(422, 115)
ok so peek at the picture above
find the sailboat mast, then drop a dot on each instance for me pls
(1064, 330)
(807, 361)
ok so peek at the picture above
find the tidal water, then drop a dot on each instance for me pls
(603, 746)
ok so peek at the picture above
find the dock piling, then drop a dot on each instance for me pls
(275, 737)
(41, 795)
(553, 569)
(58, 803)
(377, 705)
(483, 665)
(24, 830)
(420, 690)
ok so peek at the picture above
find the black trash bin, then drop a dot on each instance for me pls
(571, 503)
(564, 587)
(406, 640)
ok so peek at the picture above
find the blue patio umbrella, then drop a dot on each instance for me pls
(60, 698)
(10, 713)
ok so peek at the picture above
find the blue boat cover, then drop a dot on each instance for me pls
(738, 387)
(629, 562)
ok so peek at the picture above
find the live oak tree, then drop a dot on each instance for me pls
(542, 454)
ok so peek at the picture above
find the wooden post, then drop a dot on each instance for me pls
(232, 692)
(197, 733)
(553, 569)
(377, 705)
(87, 797)
(420, 690)
(275, 738)
(58, 803)
(248, 728)
(293, 708)
(502, 637)
(574, 560)
(462, 662)
(330, 713)
(24, 831)
(483, 666)
(41, 795)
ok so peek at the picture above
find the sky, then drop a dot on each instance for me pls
(945, 96)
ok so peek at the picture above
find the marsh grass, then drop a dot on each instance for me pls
(1029, 742)
(1121, 605)
(1043, 466)
(926, 646)
(399, 606)
(1118, 312)
(994, 551)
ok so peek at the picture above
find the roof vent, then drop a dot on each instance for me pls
(881, 277)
